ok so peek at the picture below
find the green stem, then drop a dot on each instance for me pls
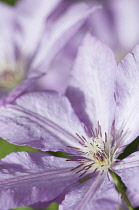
(120, 188)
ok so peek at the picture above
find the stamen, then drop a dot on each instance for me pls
(77, 167)
(97, 152)
(119, 136)
(100, 132)
(102, 172)
(86, 131)
(112, 129)
(93, 173)
(73, 147)
(94, 136)
(123, 146)
(82, 139)
(83, 173)
(96, 131)
(105, 137)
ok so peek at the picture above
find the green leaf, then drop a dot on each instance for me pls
(132, 147)
(53, 206)
(121, 188)
(11, 2)
(6, 148)
(23, 208)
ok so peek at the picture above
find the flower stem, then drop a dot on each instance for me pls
(120, 188)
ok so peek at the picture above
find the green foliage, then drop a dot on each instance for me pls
(11, 2)
(23, 208)
(6, 148)
(53, 206)
(121, 188)
(133, 147)
(59, 154)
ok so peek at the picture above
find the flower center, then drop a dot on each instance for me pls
(96, 152)
(9, 79)
(11, 74)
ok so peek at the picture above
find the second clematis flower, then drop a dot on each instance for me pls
(117, 25)
(35, 32)
(93, 123)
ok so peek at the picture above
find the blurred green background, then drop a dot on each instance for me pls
(11, 2)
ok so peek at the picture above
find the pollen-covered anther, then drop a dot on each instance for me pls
(97, 152)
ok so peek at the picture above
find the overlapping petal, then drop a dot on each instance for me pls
(30, 7)
(28, 178)
(6, 15)
(43, 32)
(6, 50)
(103, 197)
(116, 25)
(128, 170)
(30, 14)
(58, 76)
(102, 25)
(92, 86)
(58, 32)
(41, 120)
(127, 96)
(126, 14)
(21, 88)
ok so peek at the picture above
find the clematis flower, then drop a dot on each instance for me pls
(101, 96)
(117, 25)
(35, 32)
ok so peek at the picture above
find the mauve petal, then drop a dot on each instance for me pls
(103, 197)
(31, 19)
(27, 178)
(6, 15)
(133, 197)
(58, 75)
(43, 120)
(32, 77)
(58, 33)
(126, 14)
(128, 163)
(127, 97)
(102, 25)
(91, 90)
(128, 170)
(6, 50)
(50, 34)
(30, 7)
